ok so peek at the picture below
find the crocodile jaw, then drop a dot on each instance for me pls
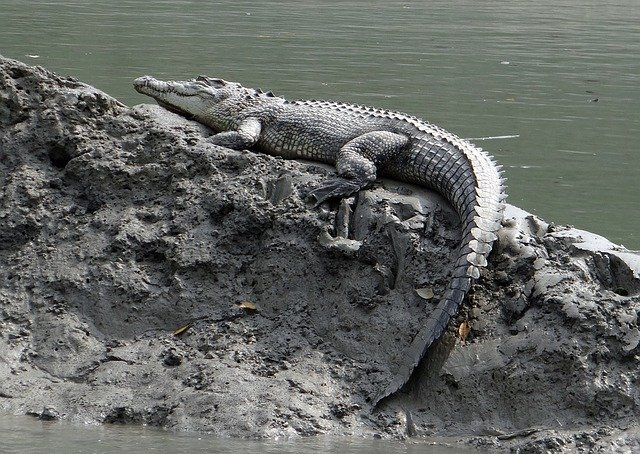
(191, 98)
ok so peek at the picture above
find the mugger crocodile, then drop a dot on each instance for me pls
(362, 143)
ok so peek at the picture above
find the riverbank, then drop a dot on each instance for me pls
(149, 277)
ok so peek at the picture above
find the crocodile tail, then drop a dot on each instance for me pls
(462, 277)
(481, 215)
(432, 329)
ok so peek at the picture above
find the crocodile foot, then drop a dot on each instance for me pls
(337, 188)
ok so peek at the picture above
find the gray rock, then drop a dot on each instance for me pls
(148, 277)
(49, 414)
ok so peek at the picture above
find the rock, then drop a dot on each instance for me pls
(119, 225)
(49, 414)
(171, 358)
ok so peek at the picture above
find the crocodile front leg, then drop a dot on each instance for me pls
(357, 163)
(245, 136)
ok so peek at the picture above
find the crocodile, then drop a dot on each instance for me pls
(362, 143)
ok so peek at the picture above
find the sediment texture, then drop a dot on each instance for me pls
(118, 226)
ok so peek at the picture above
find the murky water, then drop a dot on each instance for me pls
(561, 75)
(559, 78)
(27, 435)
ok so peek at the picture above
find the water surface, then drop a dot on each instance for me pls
(562, 76)
(28, 435)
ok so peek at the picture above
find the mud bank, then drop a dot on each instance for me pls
(119, 226)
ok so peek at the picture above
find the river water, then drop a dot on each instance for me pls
(551, 88)
(27, 435)
(561, 75)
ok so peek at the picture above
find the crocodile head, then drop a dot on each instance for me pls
(211, 101)
(192, 97)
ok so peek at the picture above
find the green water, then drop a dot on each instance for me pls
(563, 76)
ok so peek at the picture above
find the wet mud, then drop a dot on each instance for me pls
(149, 277)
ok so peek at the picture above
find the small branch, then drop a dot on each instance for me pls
(513, 136)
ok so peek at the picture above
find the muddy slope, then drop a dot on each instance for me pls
(119, 226)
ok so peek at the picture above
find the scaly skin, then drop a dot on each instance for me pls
(363, 143)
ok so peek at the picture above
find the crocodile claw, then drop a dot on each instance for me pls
(337, 188)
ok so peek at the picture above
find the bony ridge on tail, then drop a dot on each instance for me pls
(363, 143)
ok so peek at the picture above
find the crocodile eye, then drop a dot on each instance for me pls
(211, 82)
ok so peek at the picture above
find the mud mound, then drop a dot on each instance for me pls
(149, 277)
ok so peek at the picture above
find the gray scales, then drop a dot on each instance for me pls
(363, 143)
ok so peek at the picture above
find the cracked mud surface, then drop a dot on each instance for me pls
(119, 226)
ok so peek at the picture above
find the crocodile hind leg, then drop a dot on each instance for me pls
(357, 163)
